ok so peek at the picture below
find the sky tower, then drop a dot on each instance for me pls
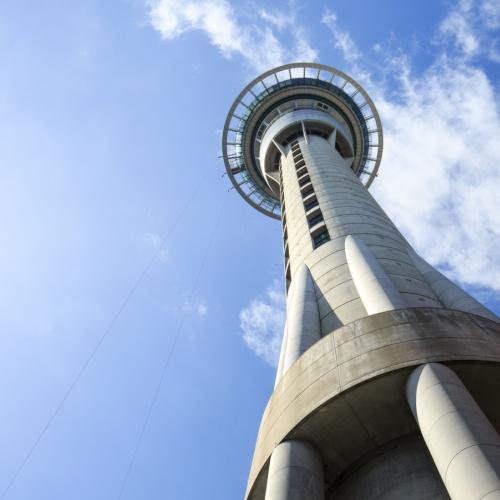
(388, 378)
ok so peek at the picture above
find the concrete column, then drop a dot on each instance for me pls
(463, 444)
(450, 295)
(348, 209)
(295, 473)
(279, 370)
(303, 325)
(376, 290)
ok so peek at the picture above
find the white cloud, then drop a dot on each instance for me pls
(472, 26)
(440, 170)
(494, 52)
(277, 18)
(490, 13)
(155, 241)
(458, 25)
(199, 308)
(262, 323)
(341, 39)
(253, 38)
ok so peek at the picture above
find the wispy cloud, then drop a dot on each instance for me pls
(489, 10)
(262, 323)
(341, 39)
(155, 241)
(277, 18)
(198, 308)
(252, 36)
(458, 26)
(439, 172)
(472, 26)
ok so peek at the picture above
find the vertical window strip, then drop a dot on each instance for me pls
(321, 235)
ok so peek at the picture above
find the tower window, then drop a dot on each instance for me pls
(317, 217)
(304, 180)
(320, 238)
(301, 170)
(311, 204)
(307, 191)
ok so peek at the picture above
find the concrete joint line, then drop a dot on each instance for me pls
(367, 333)
(273, 423)
(429, 432)
(343, 304)
(337, 307)
(489, 492)
(333, 288)
(335, 348)
(291, 466)
(460, 386)
(405, 322)
(477, 445)
(406, 341)
(369, 435)
(411, 363)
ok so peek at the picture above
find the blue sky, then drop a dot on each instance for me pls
(111, 118)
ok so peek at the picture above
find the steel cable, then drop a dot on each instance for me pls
(94, 351)
(170, 352)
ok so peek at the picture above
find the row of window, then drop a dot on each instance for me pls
(288, 276)
(319, 232)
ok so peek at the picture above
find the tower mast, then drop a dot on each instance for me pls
(388, 371)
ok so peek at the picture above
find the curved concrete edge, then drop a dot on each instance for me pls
(295, 471)
(462, 442)
(450, 295)
(400, 469)
(376, 290)
(303, 322)
(319, 387)
(279, 370)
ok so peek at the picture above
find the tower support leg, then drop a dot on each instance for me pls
(463, 444)
(295, 473)
(303, 323)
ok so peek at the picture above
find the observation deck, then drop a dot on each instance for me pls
(288, 102)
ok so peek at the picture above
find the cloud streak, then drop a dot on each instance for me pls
(341, 39)
(155, 241)
(262, 323)
(440, 170)
(472, 26)
(251, 36)
(198, 308)
(457, 25)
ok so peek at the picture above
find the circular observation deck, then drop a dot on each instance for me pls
(283, 104)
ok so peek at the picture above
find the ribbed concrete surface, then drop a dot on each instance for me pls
(303, 328)
(402, 470)
(375, 288)
(462, 442)
(345, 363)
(295, 473)
(450, 295)
(348, 209)
(340, 393)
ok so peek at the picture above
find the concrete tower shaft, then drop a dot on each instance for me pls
(362, 381)
(340, 206)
